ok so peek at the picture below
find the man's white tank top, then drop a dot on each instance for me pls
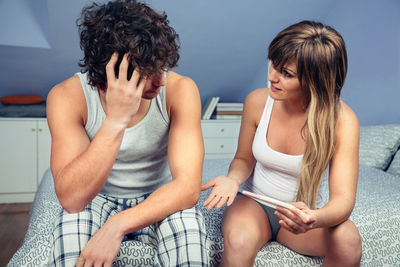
(141, 165)
(275, 174)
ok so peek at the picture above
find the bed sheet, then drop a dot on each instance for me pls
(376, 214)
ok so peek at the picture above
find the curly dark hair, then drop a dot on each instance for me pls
(126, 27)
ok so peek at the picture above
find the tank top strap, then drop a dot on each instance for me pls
(264, 121)
(141, 165)
(95, 110)
(161, 101)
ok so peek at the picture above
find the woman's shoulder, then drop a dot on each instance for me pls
(346, 115)
(257, 97)
(347, 123)
(255, 104)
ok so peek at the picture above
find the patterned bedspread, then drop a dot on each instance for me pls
(376, 214)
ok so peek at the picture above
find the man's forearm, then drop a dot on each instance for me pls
(166, 200)
(82, 179)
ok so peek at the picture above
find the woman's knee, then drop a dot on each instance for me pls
(348, 243)
(245, 228)
(241, 242)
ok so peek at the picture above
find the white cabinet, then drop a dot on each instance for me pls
(25, 145)
(24, 157)
(44, 148)
(220, 138)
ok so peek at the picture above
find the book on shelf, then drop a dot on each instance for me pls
(229, 106)
(209, 107)
(229, 112)
(228, 117)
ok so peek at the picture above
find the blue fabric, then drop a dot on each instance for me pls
(394, 167)
(272, 219)
(34, 110)
(378, 144)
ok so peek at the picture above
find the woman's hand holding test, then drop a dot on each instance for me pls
(298, 220)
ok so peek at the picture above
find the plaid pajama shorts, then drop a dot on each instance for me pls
(178, 240)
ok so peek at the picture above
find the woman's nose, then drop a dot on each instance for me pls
(272, 75)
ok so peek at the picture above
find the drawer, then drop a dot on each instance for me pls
(220, 145)
(221, 129)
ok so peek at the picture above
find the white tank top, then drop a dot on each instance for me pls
(275, 174)
(141, 165)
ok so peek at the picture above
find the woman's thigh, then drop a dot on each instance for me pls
(320, 241)
(246, 221)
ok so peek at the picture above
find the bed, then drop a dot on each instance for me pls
(376, 213)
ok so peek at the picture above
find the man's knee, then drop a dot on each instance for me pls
(71, 233)
(82, 222)
(182, 237)
(186, 222)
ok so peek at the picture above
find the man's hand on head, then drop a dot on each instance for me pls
(124, 94)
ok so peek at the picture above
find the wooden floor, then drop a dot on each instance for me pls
(13, 226)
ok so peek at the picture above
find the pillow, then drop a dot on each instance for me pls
(21, 99)
(378, 144)
(394, 167)
(36, 110)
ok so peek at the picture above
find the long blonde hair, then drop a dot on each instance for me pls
(321, 58)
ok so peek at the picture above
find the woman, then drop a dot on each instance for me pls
(290, 133)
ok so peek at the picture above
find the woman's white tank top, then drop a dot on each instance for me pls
(275, 174)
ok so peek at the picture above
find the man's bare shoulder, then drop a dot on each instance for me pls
(176, 81)
(71, 87)
(66, 97)
(180, 91)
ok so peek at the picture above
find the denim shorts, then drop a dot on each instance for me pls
(272, 218)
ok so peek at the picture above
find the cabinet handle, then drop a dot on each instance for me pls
(222, 130)
(40, 130)
(221, 146)
(33, 129)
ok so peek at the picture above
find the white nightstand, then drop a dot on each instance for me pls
(25, 156)
(220, 138)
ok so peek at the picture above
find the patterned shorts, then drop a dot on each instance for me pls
(178, 240)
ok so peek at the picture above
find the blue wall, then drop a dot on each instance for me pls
(224, 46)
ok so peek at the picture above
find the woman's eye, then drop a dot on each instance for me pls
(287, 74)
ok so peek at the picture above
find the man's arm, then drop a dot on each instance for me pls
(80, 167)
(185, 155)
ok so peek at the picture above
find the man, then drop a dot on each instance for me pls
(127, 148)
